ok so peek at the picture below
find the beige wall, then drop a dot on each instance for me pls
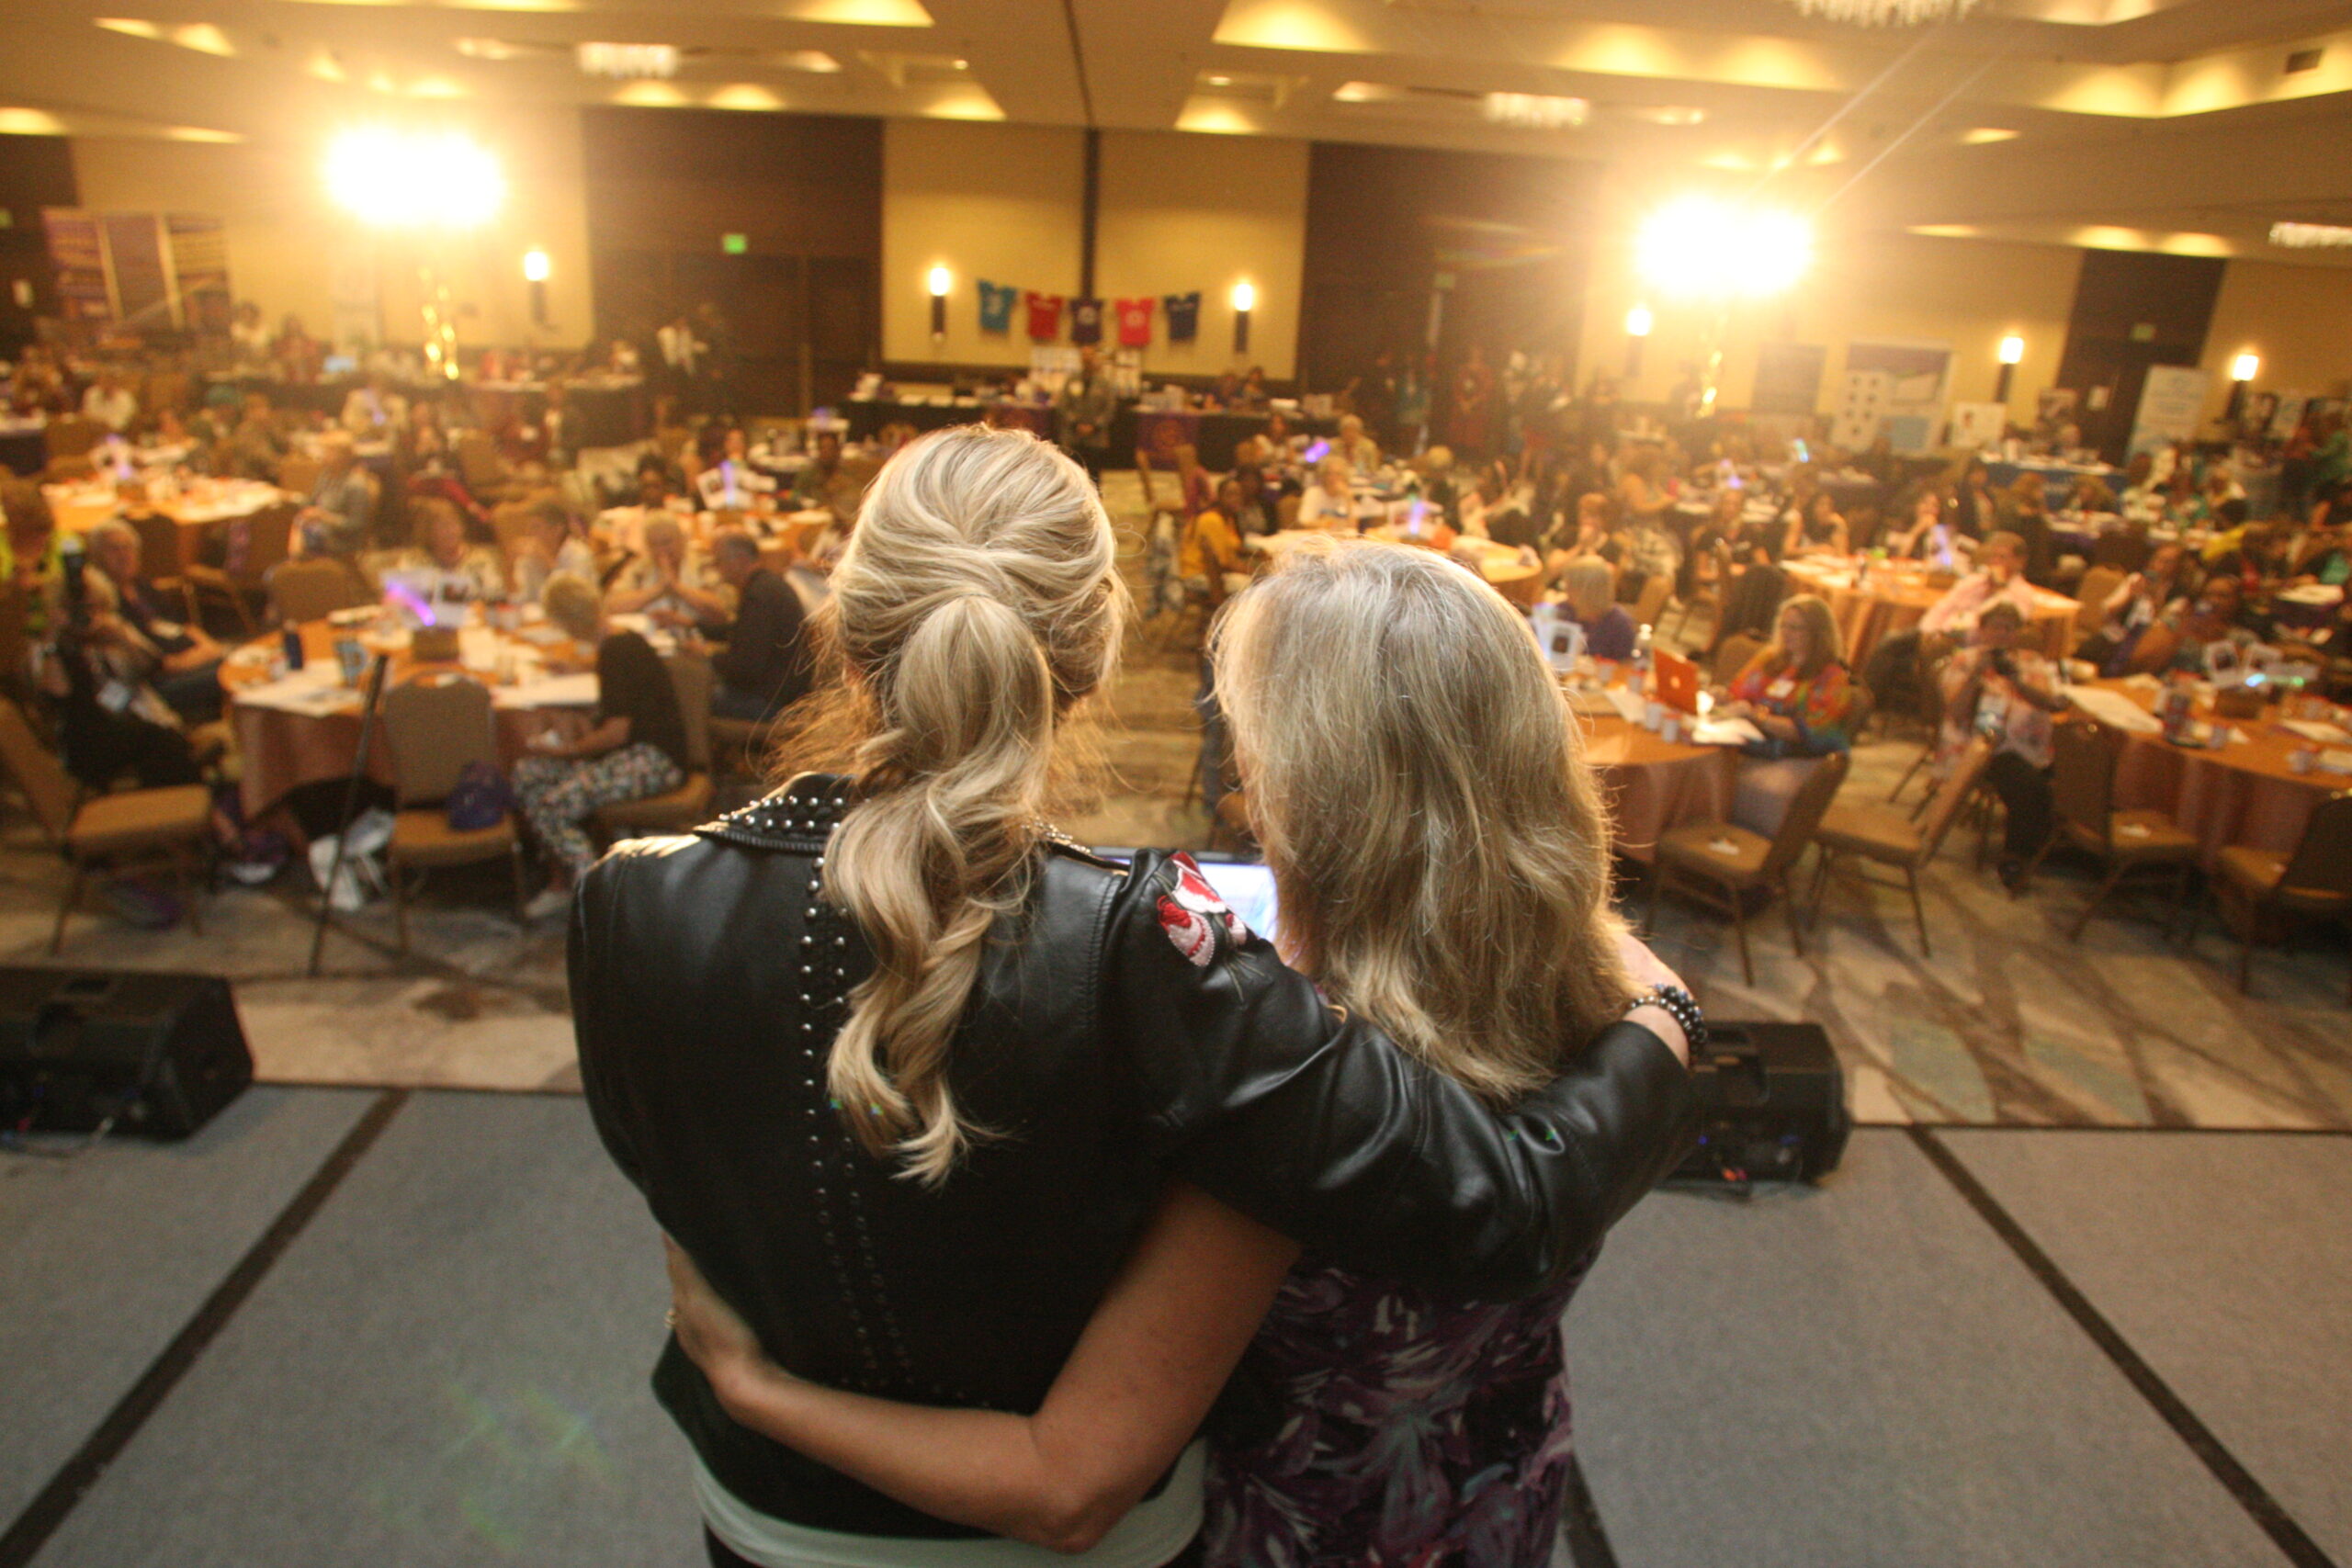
(1177, 212)
(2299, 319)
(1968, 294)
(1182, 212)
(983, 201)
(284, 237)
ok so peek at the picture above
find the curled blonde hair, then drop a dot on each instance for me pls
(978, 600)
(1414, 774)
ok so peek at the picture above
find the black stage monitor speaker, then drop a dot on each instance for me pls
(1772, 1105)
(159, 1054)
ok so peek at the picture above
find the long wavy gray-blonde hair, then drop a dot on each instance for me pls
(1437, 844)
(977, 602)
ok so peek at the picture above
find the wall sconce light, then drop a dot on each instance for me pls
(1245, 300)
(1638, 322)
(534, 272)
(2244, 368)
(941, 280)
(2012, 352)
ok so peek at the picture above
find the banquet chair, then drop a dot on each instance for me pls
(256, 545)
(303, 590)
(688, 806)
(1653, 595)
(160, 559)
(71, 435)
(1872, 832)
(434, 729)
(2314, 881)
(480, 467)
(2129, 843)
(297, 475)
(1732, 657)
(168, 826)
(2091, 592)
(1721, 862)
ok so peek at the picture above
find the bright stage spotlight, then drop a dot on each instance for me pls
(393, 179)
(1698, 246)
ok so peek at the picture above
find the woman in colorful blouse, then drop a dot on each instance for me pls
(1797, 689)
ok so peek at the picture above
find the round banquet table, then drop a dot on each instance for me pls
(2245, 792)
(1898, 596)
(201, 506)
(282, 751)
(1651, 786)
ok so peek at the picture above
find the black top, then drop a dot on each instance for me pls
(1121, 1031)
(631, 684)
(763, 654)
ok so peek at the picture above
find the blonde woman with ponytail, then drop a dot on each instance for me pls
(932, 1103)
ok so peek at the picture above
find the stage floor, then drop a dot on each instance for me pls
(414, 1328)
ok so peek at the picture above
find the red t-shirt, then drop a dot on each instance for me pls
(1044, 316)
(1134, 323)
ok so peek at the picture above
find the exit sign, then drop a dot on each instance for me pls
(734, 244)
(2143, 332)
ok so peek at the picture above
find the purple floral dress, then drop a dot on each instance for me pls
(1419, 1431)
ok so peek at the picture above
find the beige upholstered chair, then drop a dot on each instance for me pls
(1874, 832)
(435, 728)
(2134, 844)
(303, 590)
(1722, 862)
(168, 826)
(688, 805)
(2316, 881)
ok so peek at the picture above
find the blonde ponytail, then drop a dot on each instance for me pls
(978, 600)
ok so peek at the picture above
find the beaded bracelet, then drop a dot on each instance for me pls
(1682, 1006)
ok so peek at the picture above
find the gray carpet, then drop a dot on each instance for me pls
(108, 1254)
(1865, 1375)
(2226, 1262)
(448, 1368)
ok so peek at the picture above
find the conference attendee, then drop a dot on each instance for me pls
(1648, 552)
(2138, 602)
(2006, 693)
(764, 669)
(1818, 529)
(1975, 510)
(1422, 1424)
(256, 446)
(1330, 500)
(1361, 450)
(623, 527)
(2257, 557)
(1999, 578)
(1594, 535)
(669, 580)
(1799, 694)
(1082, 415)
(30, 553)
(446, 565)
(1126, 1021)
(1589, 587)
(338, 517)
(112, 724)
(728, 482)
(554, 546)
(1926, 530)
(2204, 638)
(2025, 516)
(249, 337)
(185, 667)
(372, 411)
(1469, 424)
(823, 485)
(2324, 555)
(636, 748)
(1209, 557)
(1253, 513)
(110, 401)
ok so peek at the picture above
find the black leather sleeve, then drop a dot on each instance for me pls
(1317, 1124)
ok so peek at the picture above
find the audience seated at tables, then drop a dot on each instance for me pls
(1594, 535)
(2220, 488)
(1252, 513)
(2090, 496)
(1818, 529)
(1923, 529)
(554, 546)
(185, 663)
(2007, 693)
(823, 485)
(110, 402)
(2025, 516)
(728, 482)
(1641, 498)
(37, 386)
(1974, 510)
(765, 667)
(338, 516)
(1208, 558)
(1590, 588)
(372, 411)
(623, 527)
(2139, 602)
(1708, 555)
(1362, 452)
(111, 723)
(451, 566)
(669, 580)
(1646, 552)
(30, 552)
(1329, 501)
(2202, 638)
(257, 446)
(636, 750)
(1798, 692)
(1999, 578)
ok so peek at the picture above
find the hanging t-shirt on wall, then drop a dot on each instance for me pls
(1184, 316)
(996, 306)
(1134, 323)
(1045, 317)
(1086, 321)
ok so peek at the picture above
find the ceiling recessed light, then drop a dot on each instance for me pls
(746, 95)
(486, 48)
(626, 60)
(2311, 236)
(130, 26)
(30, 122)
(203, 38)
(1984, 133)
(810, 60)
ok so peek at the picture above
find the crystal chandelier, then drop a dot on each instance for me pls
(1535, 111)
(1887, 13)
(628, 60)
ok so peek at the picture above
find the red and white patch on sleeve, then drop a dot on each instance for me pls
(1193, 916)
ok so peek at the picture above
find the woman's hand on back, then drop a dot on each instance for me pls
(709, 1332)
